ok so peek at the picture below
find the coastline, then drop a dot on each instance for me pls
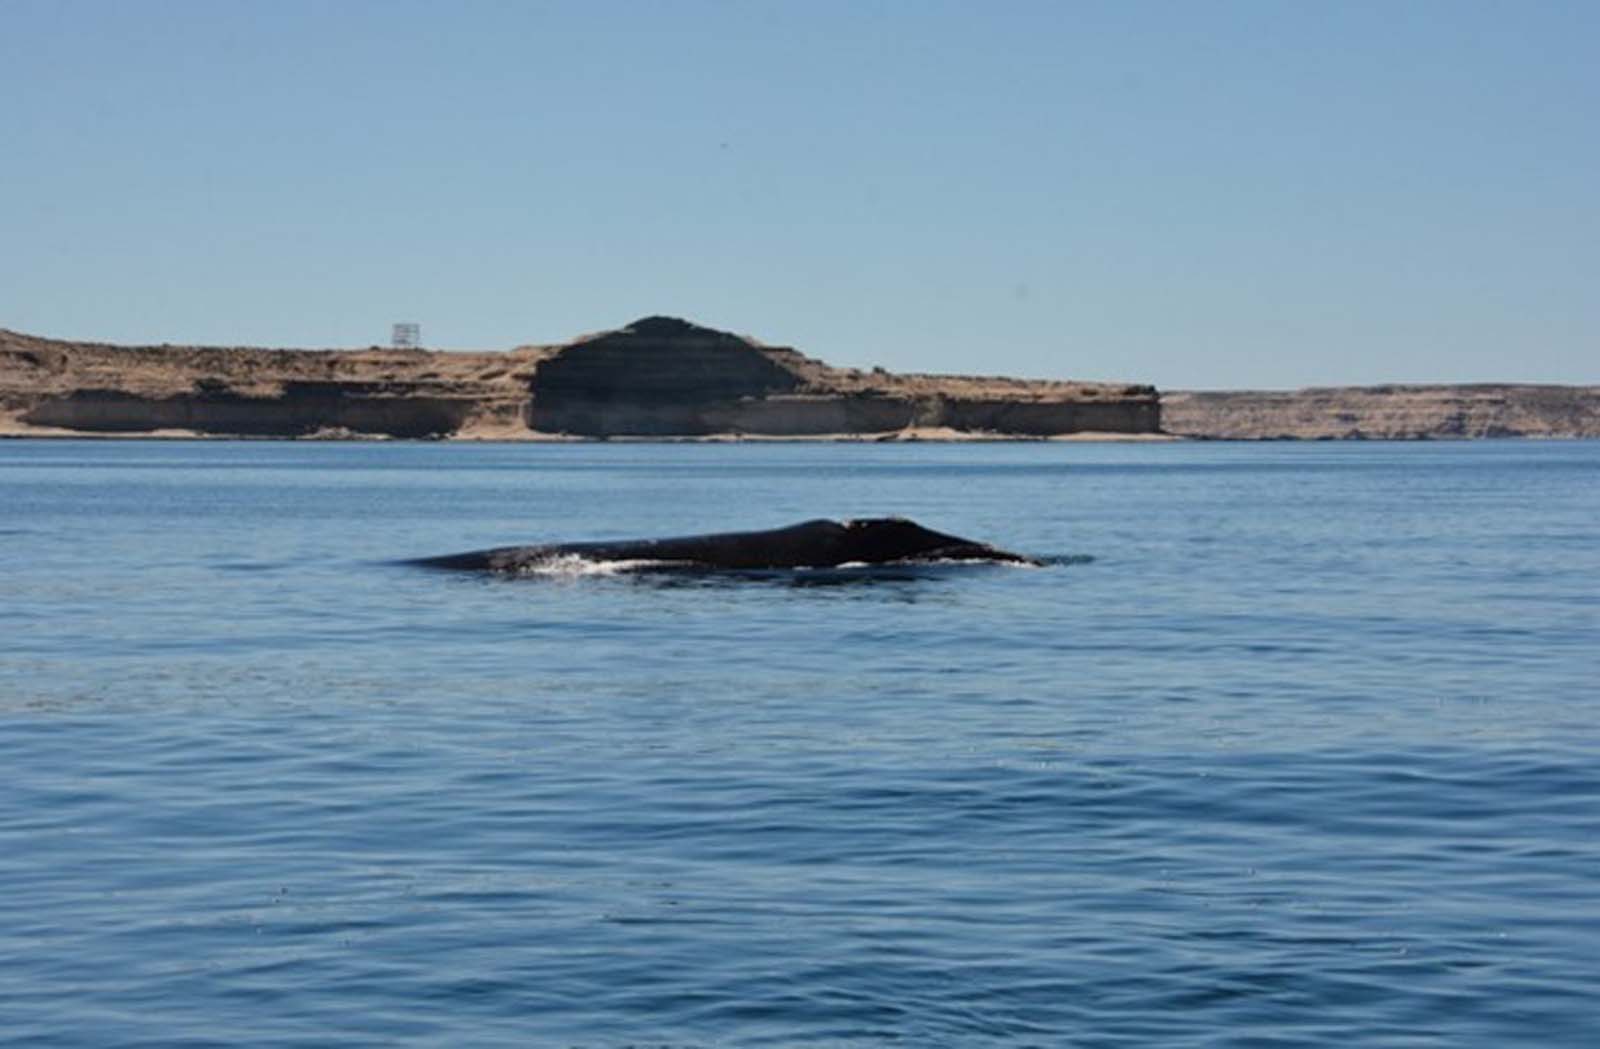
(10, 431)
(658, 378)
(664, 379)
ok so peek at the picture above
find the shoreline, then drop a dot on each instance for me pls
(910, 436)
(896, 437)
(666, 380)
(656, 378)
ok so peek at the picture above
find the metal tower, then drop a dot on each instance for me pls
(406, 336)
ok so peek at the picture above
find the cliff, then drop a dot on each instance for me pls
(661, 376)
(657, 377)
(1385, 412)
(48, 385)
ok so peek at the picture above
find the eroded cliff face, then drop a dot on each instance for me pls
(51, 386)
(661, 376)
(1386, 412)
(657, 377)
(301, 409)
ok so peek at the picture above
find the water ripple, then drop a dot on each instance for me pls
(1318, 775)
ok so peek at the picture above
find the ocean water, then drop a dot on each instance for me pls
(1295, 745)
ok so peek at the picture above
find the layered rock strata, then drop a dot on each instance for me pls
(658, 377)
(665, 377)
(1386, 412)
(52, 386)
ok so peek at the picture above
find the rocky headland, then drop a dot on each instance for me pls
(659, 377)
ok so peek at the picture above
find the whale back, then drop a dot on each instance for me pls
(878, 540)
(818, 543)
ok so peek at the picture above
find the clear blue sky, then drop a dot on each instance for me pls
(1186, 193)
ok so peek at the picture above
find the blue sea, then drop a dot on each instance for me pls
(1292, 745)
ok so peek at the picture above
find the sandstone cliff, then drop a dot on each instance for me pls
(1386, 412)
(657, 377)
(51, 386)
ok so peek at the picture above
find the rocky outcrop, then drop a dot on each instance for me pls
(661, 376)
(1386, 412)
(657, 377)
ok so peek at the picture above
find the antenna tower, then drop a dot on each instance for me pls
(406, 336)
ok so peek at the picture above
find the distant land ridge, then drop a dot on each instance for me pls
(657, 377)
(1391, 412)
(666, 378)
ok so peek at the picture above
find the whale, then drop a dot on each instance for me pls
(821, 543)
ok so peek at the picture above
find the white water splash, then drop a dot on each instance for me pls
(575, 566)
